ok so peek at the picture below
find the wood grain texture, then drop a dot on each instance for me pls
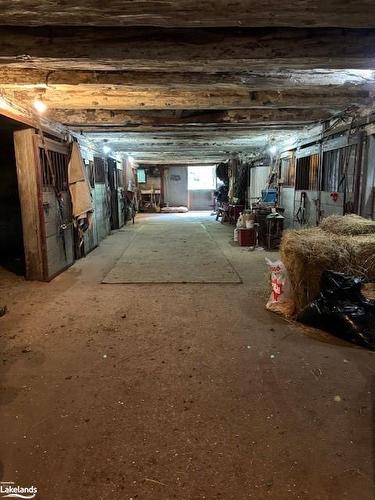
(187, 49)
(29, 192)
(269, 79)
(96, 119)
(189, 13)
(193, 98)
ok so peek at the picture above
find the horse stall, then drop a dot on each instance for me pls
(42, 172)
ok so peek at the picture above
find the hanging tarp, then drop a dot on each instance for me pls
(78, 185)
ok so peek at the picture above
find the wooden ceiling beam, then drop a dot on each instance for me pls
(188, 13)
(197, 98)
(178, 162)
(183, 161)
(200, 50)
(90, 119)
(26, 78)
(210, 129)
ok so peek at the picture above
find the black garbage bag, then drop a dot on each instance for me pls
(341, 309)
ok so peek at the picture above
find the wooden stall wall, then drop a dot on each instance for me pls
(42, 172)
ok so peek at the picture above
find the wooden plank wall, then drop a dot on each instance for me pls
(29, 193)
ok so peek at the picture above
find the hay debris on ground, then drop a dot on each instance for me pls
(348, 225)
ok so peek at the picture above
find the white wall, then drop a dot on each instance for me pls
(176, 186)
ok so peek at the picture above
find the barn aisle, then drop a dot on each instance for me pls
(160, 391)
(171, 252)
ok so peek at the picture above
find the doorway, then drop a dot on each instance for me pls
(12, 256)
(201, 186)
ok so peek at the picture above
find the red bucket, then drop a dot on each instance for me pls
(246, 237)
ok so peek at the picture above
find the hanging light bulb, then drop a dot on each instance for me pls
(272, 150)
(40, 105)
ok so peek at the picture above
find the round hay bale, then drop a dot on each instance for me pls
(348, 225)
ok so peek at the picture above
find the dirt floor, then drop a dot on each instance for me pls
(187, 391)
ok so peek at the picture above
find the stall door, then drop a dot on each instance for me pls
(42, 172)
(102, 206)
(90, 238)
(339, 181)
(57, 207)
(121, 196)
(112, 181)
(306, 209)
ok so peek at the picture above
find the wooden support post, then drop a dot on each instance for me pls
(29, 192)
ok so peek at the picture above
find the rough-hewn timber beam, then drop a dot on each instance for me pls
(89, 119)
(187, 152)
(189, 13)
(211, 129)
(192, 49)
(183, 161)
(200, 156)
(192, 139)
(197, 98)
(257, 80)
(178, 162)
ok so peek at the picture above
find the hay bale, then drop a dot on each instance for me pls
(368, 290)
(306, 254)
(348, 225)
(362, 255)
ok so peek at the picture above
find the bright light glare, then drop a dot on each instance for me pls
(272, 150)
(106, 150)
(40, 106)
(4, 104)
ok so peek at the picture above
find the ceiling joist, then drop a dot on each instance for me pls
(189, 13)
(25, 78)
(204, 50)
(161, 119)
(191, 98)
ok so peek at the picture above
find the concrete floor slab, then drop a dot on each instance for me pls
(172, 253)
(177, 391)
